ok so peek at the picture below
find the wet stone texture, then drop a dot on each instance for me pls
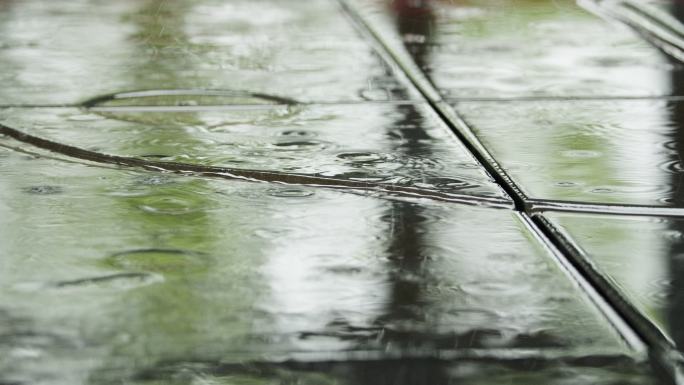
(598, 152)
(521, 49)
(641, 254)
(196, 277)
(639, 258)
(385, 144)
(291, 49)
(271, 192)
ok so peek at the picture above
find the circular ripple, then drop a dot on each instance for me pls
(582, 154)
(298, 145)
(290, 193)
(114, 281)
(297, 133)
(159, 260)
(674, 167)
(185, 97)
(363, 157)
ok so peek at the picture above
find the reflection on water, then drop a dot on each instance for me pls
(528, 49)
(112, 276)
(642, 255)
(593, 151)
(673, 291)
(293, 49)
(179, 277)
(620, 152)
(394, 145)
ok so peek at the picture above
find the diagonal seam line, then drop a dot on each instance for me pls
(622, 324)
(247, 174)
(656, 31)
(436, 103)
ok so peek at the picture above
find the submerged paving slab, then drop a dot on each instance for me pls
(61, 52)
(392, 145)
(641, 256)
(114, 275)
(595, 152)
(505, 49)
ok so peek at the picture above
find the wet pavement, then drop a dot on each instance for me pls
(341, 192)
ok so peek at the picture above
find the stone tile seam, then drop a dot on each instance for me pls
(665, 354)
(651, 24)
(275, 177)
(591, 288)
(432, 97)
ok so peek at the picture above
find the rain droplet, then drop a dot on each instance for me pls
(299, 145)
(290, 193)
(602, 191)
(159, 260)
(362, 157)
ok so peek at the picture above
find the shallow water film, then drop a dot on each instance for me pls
(405, 192)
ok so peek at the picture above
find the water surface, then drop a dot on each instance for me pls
(114, 274)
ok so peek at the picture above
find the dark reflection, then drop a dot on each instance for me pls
(676, 311)
(406, 242)
(416, 22)
(406, 249)
(406, 239)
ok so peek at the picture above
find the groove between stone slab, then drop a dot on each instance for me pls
(441, 108)
(663, 350)
(584, 272)
(247, 174)
(657, 27)
(533, 206)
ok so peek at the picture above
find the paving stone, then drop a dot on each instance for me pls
(385, 144)
(118, 273)
(520, 49)
(641, 256)
(596, 152)
(61, 52)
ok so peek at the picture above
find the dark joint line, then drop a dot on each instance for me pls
(246, 174)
